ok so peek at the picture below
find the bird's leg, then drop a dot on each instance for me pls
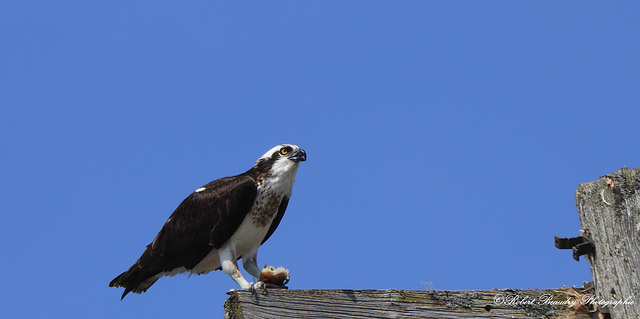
(229, 263)
(249, 263)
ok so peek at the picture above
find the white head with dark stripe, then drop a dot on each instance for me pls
(282, 161)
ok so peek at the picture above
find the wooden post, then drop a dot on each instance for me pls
(610, 216)
(394, 303)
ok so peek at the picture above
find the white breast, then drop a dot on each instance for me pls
(256, 225)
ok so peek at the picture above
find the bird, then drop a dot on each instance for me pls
(219, 223)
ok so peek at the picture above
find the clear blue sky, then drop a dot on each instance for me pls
(445, 140)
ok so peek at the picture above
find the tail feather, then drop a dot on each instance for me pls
(134, 280)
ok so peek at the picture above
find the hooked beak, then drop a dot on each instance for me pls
(299, 156)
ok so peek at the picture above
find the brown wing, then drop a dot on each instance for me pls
(204, 220)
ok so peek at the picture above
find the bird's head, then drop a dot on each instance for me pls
(282, 158)
(284, 152)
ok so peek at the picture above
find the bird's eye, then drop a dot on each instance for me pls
(284, 150)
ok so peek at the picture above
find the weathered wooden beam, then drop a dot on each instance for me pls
(610, 216)
(394, 303)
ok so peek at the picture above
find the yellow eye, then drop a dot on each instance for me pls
(284, 151)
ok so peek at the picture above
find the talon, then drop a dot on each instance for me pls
(259, 287)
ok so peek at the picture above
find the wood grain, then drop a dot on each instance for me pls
(609, 211)
(394, 303)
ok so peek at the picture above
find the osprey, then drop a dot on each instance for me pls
(219, 223)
